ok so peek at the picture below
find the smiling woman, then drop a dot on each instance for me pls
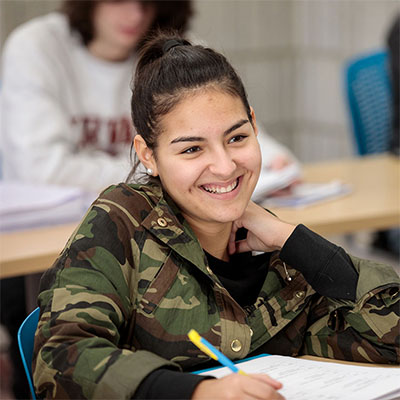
(217, 165)
(187, 249)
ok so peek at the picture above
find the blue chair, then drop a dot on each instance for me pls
(26, 334)
(369, 96)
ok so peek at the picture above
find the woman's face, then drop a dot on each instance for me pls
(207, 157)
(119, 26)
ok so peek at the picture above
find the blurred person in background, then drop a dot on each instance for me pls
(65, 92)
(65, 106)
(389, 240)
(6, 370)
(393, 44)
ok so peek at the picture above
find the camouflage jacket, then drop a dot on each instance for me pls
(133, 280)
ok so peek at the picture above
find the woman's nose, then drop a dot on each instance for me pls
(222, 164)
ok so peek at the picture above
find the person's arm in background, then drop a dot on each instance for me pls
(274, 154)
(280, 169)
(37, 137)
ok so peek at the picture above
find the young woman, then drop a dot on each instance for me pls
(187, 249)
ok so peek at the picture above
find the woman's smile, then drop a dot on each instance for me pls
(222, 190)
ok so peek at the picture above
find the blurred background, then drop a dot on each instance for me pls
(290, 54)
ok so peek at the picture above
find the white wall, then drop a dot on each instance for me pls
(15, 12)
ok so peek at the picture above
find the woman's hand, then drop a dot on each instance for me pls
(235, 386)
(265, 232)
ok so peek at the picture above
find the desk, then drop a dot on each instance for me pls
(373, 204)
(32, 251)
(360, 364)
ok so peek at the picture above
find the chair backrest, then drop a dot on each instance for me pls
(26, 335)
(369, 95)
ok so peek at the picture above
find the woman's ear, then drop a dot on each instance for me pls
(145, 154)
(253, 120)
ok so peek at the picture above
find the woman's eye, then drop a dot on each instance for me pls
(191, 150)
(237, 138)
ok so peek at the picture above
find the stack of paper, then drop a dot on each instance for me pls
(24, 205)
(303, 194)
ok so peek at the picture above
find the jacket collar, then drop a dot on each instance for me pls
(166, 222)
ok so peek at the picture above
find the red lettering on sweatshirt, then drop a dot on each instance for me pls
(103, 134)
(120, 130)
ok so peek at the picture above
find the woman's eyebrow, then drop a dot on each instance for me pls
(236, 126)
(202, 139)
(187, 139)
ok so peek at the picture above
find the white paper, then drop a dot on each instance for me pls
(24, 205)
(317, 380)
(272, 180)
(303, 194)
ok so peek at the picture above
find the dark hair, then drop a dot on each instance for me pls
(170, 68)
(169, 15)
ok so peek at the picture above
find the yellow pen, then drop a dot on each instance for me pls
(207, 348)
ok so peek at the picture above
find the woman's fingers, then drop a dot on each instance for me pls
(267, 387)
(267, 379)
(232, 239)
(241, 246)
(235, 386)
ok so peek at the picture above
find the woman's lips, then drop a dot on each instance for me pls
(221, 189)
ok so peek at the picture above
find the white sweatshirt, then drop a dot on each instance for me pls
(65, 114)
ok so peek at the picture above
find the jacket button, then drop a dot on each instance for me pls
(236, 346)
(300, 294)
(251, 332)
(162, 222)
(209, 270)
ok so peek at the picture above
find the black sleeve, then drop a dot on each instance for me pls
(326, 267)
(168, 384)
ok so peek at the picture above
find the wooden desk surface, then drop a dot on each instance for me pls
(32, 251)
(314, 358)
(374, 203)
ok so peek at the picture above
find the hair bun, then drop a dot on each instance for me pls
(171, 43)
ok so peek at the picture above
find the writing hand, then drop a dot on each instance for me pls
(235, 386)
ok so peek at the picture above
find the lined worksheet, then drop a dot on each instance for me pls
(316, 380)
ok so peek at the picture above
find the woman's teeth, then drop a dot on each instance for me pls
(221, 189)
